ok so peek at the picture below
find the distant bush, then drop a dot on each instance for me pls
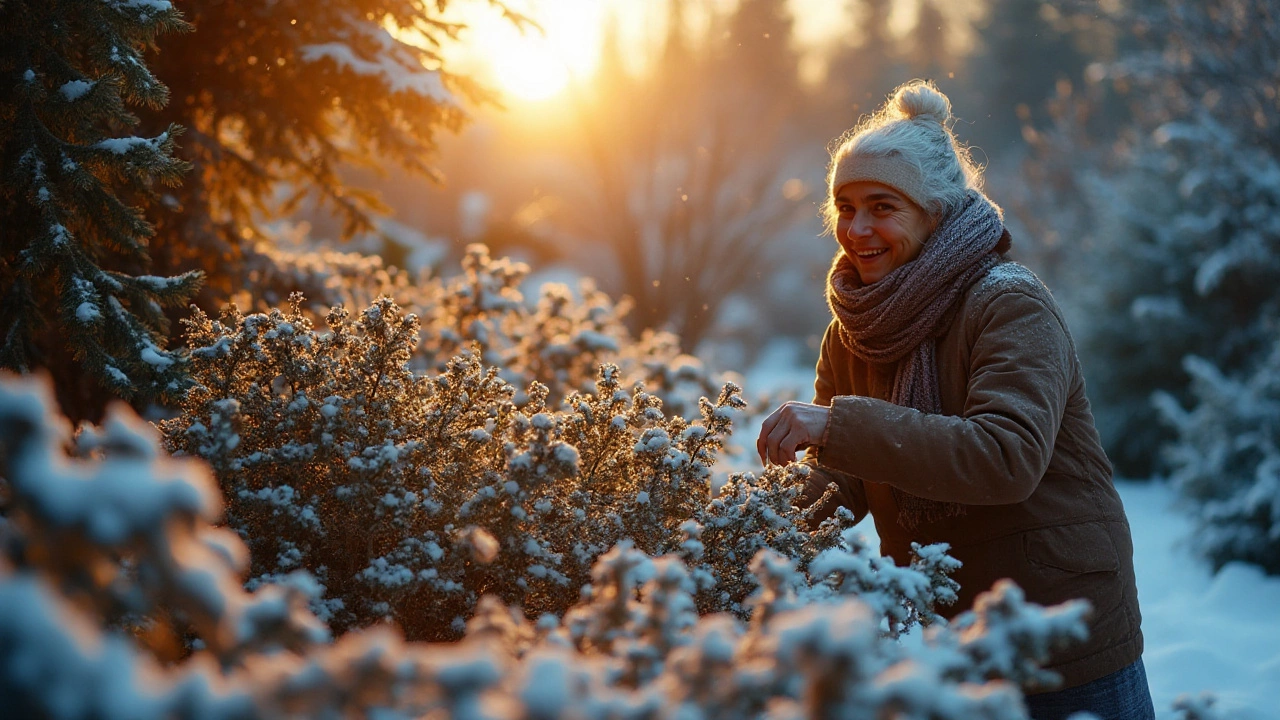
(1226, 460)
(559, 339)
(119, 599)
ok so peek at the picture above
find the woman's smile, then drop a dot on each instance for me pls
(867, 262)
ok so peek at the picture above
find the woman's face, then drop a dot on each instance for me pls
(879, 228)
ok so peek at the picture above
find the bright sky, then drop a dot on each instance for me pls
(535, 66)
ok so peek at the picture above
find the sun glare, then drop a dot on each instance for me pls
(537, 66)
(530, 68)
(534, 65)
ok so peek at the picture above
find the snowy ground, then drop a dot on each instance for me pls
(1204, 632)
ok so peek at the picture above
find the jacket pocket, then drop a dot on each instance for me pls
(1080, 548)
(1066, 562)
(1084, 561)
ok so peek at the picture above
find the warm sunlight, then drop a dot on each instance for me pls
(551, 356)
(533, 65)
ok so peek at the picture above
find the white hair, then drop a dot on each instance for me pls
(913, 127)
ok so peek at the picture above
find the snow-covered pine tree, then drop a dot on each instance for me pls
(1187, 233)
(1186, 263)
(277, 97)
(74, 248)
(1226, 460)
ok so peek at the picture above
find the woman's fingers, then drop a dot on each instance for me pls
(762, 442)
(787, 430)
(787, 446)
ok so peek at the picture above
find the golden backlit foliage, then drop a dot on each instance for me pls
(279, 98)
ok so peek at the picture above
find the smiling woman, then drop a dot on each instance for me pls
(878, 228)
(950, 405)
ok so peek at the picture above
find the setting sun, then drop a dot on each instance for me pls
(538, 64)
(531, 68)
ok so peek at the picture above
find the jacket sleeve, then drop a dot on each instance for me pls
(998, 449)
(849, 492)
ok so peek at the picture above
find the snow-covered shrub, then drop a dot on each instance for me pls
(1226, 460)
(282, 266)
(410, 495)
(118, 533)
(120, 537)
(805, 652)
(558, 340)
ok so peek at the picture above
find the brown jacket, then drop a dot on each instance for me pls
(1015, 444)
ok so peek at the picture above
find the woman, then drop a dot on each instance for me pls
(950, 404)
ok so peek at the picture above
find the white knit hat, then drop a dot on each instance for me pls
(908, 145)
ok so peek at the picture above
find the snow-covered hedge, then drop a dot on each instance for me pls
(120, 599)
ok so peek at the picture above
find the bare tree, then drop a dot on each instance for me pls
(694, 178)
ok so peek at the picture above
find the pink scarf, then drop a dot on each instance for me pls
(900, 318)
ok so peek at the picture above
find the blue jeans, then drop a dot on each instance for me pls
(1122, 695)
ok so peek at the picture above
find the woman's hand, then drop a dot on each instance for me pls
(792, 427)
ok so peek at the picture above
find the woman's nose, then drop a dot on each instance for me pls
(859, 227)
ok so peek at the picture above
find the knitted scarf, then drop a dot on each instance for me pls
(900, 318)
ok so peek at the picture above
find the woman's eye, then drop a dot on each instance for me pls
(883, 207)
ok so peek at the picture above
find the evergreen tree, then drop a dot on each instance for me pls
(278, 98)
(929, 38)
(759, 33)
(1216, 154)
(1226, 460)
(1024, 49)
(75, 238)
(1187, 263)
(862, 72)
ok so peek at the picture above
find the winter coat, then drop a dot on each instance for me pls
(1015, 444)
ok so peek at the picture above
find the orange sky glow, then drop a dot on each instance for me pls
(533, 67)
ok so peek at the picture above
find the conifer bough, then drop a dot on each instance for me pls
(74, 239)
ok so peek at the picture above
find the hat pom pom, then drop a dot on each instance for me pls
(920, 99)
